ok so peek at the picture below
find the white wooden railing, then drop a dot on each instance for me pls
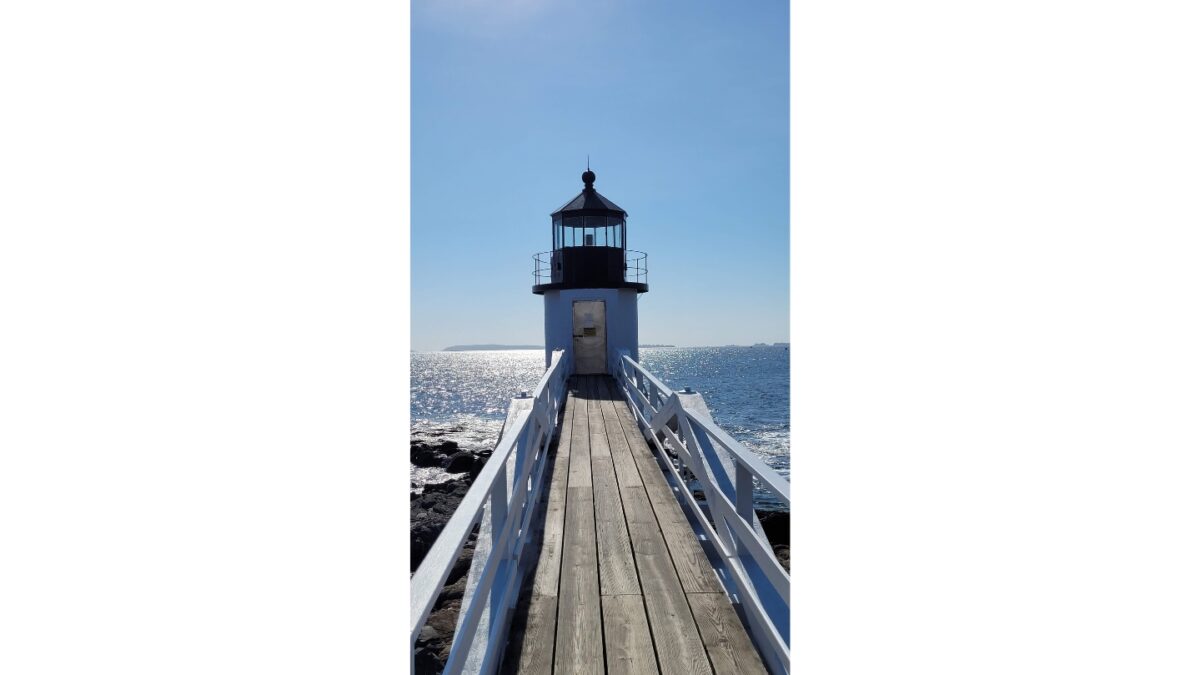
(502, 500)
(687, 439)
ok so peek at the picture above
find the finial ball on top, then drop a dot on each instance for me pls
(589, 178)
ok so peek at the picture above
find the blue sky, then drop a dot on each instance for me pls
(683, 107)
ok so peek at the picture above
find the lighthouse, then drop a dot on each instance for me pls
(590, 281)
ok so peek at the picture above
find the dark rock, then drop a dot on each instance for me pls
(429, 454)
(442, 623)
(430, 511)
(776, 525)
(462, 565)
(455, 591)
(456, 489)
(433, 644)
(477, 469)
(464, 462)
(426, 661)
(783, 554)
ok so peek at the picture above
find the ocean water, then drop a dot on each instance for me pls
(464, 396)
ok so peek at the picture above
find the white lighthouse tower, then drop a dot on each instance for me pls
(590, 282)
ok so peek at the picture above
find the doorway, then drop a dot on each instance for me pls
(589, 337)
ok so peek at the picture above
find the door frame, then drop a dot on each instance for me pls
(603, 336)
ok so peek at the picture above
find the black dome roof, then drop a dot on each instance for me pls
(589, 202)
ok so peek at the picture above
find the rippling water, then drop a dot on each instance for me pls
(464, 395)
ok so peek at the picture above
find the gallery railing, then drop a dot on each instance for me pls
(632, 270)
(691, 444)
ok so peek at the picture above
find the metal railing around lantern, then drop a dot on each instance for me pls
(633, 271)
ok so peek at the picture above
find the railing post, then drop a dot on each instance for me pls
(499, 504)
(744, 492)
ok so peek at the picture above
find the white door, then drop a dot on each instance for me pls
(589, 337)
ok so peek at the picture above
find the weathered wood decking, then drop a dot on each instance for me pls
(621, 584)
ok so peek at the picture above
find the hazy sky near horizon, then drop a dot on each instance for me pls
(683, 107)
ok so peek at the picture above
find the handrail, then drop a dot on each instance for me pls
(687, 439)
(507, 487)
(633, 269)
(772, 480)
(776, 484)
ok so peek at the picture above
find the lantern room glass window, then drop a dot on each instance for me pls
(607, 231)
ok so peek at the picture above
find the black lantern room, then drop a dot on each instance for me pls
(589, 239)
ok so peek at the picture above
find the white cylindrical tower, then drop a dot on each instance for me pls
(590, 281)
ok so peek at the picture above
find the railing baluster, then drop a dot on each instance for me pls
(499, 504)
(744, 492)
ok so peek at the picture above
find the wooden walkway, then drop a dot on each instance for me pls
(621, 583)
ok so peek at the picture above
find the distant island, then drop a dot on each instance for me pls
(494, 348)
(488, 348)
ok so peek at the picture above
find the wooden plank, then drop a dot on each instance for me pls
(695, 571)
(545, 576)
(618, 574)
(581, 459)
(729, 647)
(606, 492)
(597, 437)
(627, 471)
(562, 454)
(579, 647)
(676, 638)
(531, 642)
(627, 644)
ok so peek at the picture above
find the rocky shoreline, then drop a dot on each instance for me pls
(777, 527)
(433, 503)
(431, 506)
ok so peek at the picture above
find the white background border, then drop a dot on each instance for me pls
(204, 360)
